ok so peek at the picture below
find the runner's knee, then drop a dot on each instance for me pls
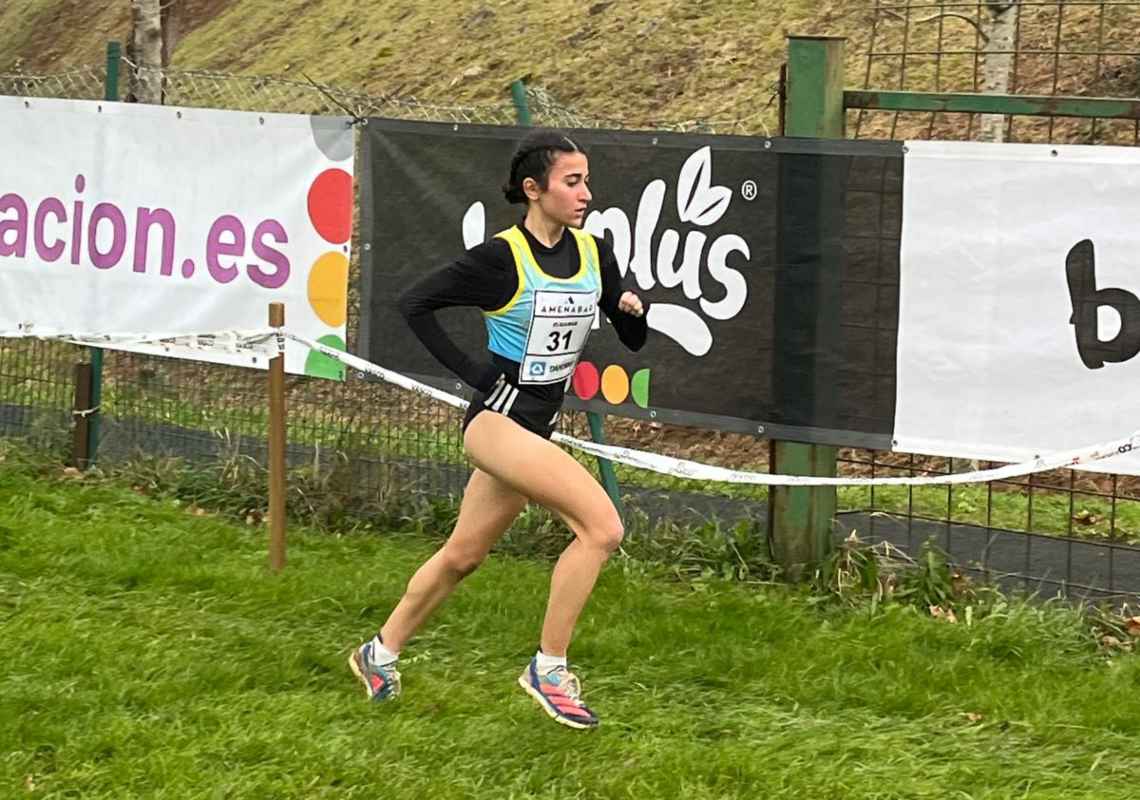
(462, 561)
(607, 533)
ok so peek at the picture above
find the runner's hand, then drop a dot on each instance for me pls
(630, 303)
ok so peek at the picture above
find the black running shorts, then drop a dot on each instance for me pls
(535, 414)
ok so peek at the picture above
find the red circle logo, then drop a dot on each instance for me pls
(330, 205)
(586, 380)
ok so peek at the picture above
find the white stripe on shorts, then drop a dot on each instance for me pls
(510, 402)
(496, 394)
(500, 398)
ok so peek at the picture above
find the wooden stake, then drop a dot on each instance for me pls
(80, 454)
(277, 448)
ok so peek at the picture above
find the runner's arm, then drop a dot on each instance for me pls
(630, 329)
(484, 277)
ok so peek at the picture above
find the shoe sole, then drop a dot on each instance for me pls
(358, 670)
(354, 664)
(550, 712)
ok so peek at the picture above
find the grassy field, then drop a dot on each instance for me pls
(148, 653)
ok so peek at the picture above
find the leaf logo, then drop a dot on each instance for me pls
(683, 326)
(474, 226)
(698, 201)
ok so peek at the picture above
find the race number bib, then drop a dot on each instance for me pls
(559, 326)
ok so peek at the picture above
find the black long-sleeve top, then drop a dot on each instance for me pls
(485, 277)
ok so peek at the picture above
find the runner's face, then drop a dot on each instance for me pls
(567, 192)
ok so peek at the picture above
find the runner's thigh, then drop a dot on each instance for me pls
(542, 471)
(488, 508)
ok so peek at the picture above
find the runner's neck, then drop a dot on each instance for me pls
(541, 227)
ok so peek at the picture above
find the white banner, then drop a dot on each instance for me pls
(122, 217)
(1019, 322)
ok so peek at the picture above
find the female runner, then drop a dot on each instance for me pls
(539, 284)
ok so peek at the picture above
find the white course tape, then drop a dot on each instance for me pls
(682, 468)
(260, 339)
(387, 375)
(271, 341)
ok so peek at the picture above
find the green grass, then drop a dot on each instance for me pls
(148, 653)
(694, 59)
(1006, 507)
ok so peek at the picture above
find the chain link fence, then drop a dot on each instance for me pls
(1032, 47)
(376, 437)
(1062, 529)
(1070, 530)
(207, 89)
(80, 83)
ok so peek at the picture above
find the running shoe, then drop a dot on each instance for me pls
(381, 681)
(558, 693)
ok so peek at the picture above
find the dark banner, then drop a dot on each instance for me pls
(771, 266)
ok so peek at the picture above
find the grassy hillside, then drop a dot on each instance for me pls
(646, 60)
(641, 62)
(638, 61)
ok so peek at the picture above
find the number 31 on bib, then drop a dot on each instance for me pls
(559, 327)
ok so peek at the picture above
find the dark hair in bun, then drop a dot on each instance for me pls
(533, 159)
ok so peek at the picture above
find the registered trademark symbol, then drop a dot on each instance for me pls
(748, 190)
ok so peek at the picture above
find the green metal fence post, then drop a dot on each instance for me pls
(114, 59)
(596, 421)
(522, 107)
(111, 94)
(799, 518)
(609, 477)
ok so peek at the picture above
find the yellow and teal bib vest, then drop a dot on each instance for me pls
(544, 327)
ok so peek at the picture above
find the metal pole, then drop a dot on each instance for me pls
(277, 448)
(800, 519)
(522, 108)
(114, 60)
(605, 467)
(95, 391)
(596, 420)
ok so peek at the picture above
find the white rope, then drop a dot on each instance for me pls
(683, 468)
(261, 340)
(272, 342)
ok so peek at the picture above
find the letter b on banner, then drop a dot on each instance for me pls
(1080, 270)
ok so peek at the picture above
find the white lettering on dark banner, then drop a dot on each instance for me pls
(699, 203)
